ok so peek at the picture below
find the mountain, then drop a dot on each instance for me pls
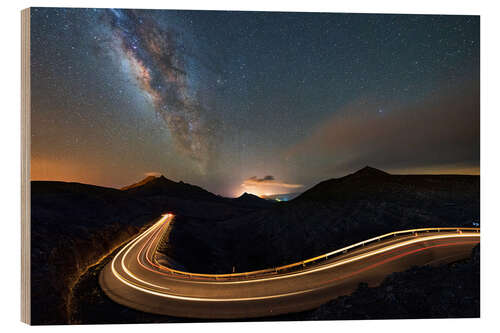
(161, 186)
(334, 213)
(370, 183)
(193, 201)
(140, 183)
(72, 226)
(248, 197)
(251, 200)
(368, 172)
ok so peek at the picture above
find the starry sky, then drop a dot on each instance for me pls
(250, 101)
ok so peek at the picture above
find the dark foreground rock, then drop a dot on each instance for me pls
(90, 305)
(73, 226)
(448, 291)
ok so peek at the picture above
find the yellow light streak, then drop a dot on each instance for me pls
(127, 249)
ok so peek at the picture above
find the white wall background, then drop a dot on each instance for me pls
(490, 166)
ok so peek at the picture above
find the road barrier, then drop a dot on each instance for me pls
(300, 264)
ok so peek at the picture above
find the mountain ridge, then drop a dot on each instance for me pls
(139, 183)
(154, 186)
(334, 213)
(370, 182)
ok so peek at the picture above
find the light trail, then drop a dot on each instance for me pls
(134, 268)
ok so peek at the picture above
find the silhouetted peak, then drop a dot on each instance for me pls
(247, 196)
(164, 180)
(160, 185)
(139, 183)
(252, 200)
(368, 171)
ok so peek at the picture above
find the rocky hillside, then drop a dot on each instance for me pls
(74, 225)
(448, 291)
(161, 186)
(332, 214)
(193, 201)
(139, 183)
(250, 200)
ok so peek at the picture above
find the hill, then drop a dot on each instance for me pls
(332, 214)
(155, 186)
(251, 200)
(74, 225)
(139, 183)
(370, 182)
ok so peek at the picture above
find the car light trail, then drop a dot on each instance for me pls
(134, 267)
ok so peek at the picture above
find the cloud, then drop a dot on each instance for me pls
(440, 129)
(267, 181)
(261, 180)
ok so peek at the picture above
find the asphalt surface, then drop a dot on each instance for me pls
(134, 279)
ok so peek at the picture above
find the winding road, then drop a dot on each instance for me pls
(135, 279)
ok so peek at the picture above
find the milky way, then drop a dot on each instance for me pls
(158, 63)
(221, 99)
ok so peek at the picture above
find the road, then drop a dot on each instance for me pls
(134, 278)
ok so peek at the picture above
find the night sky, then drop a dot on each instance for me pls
(250, 101)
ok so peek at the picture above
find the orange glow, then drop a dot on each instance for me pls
(61, 170)
(266, 188)
(438, 170)
(83, 170)
(261, 193)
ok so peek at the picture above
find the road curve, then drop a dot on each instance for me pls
(134, 278)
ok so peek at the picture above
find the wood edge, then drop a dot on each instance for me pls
(25, 166)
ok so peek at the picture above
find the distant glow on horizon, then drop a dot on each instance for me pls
(252, 191)
(442, 170)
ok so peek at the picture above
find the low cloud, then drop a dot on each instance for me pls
(267, 181)
(262, 180)
(440, 129)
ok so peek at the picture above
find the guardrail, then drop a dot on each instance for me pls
(307, 262)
